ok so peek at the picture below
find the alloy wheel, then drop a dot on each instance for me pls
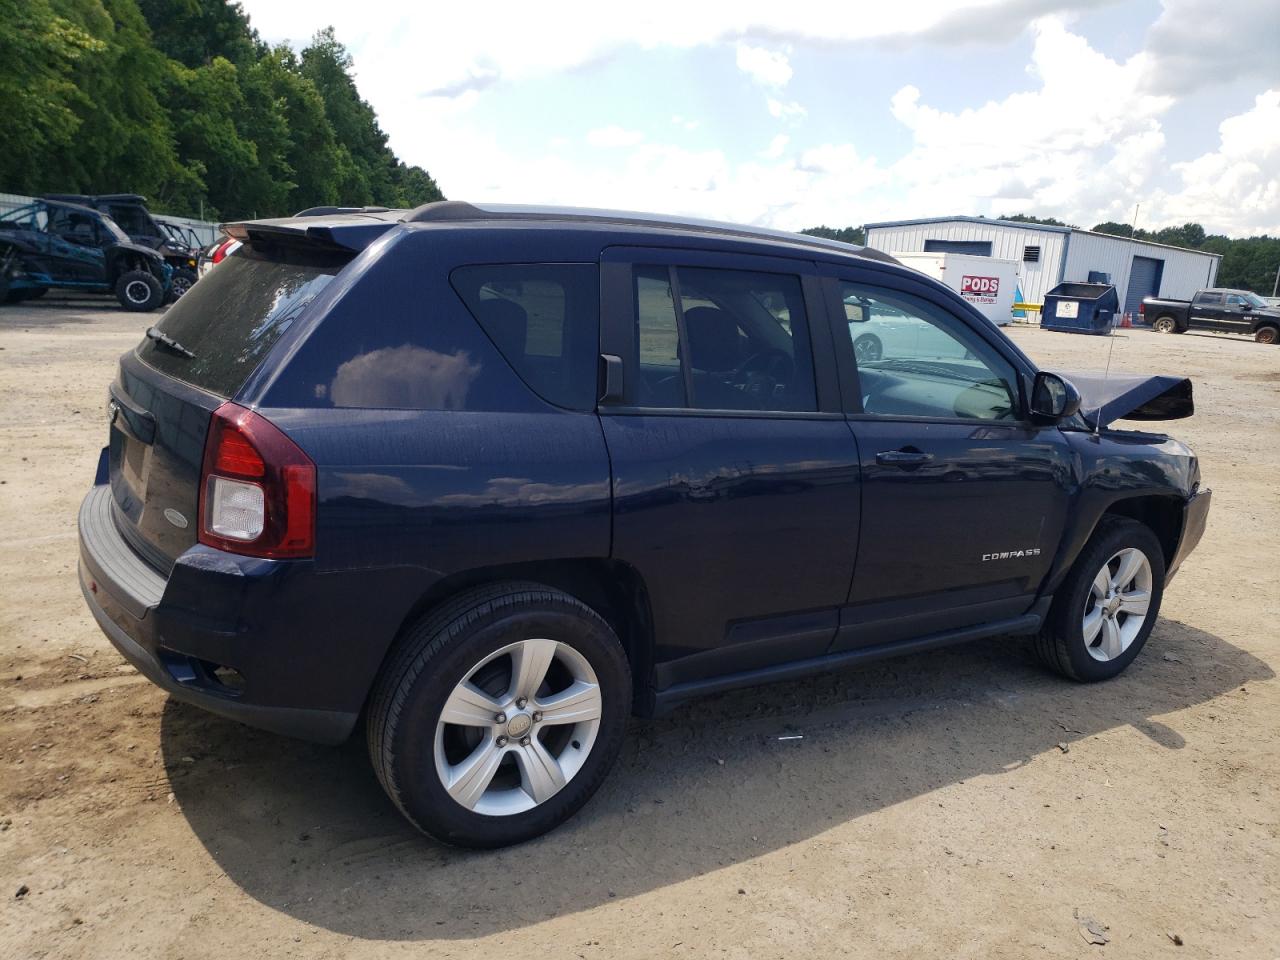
(1116, 607)
(518, 727)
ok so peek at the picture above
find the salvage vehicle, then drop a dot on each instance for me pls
(51, 244)
(491, 478)
(129, 211)
(1216, 308)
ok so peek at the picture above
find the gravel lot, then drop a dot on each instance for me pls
(961, 803)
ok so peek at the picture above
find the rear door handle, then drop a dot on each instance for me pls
(903, 458)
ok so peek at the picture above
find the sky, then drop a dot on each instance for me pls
(791, 114)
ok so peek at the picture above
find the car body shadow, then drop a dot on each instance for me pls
(308, 831)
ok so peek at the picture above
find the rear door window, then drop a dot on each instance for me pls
(715, 339)
(545, 319)
(234, 315)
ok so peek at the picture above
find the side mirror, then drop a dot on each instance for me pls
(1053, 398)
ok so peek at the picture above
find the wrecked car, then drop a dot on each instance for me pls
(482, 481)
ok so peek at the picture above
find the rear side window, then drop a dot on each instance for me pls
(234, 315)
(545, 318)
(1209, 300)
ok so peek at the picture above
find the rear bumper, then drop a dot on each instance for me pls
(177, 643)
(1195, 516)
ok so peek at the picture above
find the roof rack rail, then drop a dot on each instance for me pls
(330, 211)
(444, 211)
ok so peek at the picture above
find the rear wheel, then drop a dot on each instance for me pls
(139, 291)
(500, 715)
(1267, 334)
(1165, 325)
(1104, 611)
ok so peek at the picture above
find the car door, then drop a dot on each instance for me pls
(74, 251)
(735, 477)
(1207, 311)
(964, 500)
(1237, 315)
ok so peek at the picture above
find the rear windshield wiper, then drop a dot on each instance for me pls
(167, 341)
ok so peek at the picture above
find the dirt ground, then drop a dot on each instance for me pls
(961, 803)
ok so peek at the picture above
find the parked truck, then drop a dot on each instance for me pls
(1216, 308)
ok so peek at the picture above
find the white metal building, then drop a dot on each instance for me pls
(1053, 255)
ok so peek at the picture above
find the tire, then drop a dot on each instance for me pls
(180, 283)
(1267, 334)
(1063, 643)
(480, 637)
(1165, 325)
(139, 291)
(868, 348)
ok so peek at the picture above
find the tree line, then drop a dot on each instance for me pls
(1248, 263)
(183, 102)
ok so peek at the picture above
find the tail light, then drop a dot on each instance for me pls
(221, 250)
(257, 488)
(1142, 309)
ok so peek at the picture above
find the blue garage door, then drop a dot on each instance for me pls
(1144, 281)
(981, 248)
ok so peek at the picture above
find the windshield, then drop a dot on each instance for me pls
(1256, 300)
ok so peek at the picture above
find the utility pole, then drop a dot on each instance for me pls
(1276, 286)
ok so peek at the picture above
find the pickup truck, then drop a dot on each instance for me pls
(1229, 311)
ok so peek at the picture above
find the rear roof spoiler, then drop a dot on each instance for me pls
(343, 232)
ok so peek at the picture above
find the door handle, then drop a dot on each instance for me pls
(903, 458)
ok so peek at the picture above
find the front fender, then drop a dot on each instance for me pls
(1143, 476)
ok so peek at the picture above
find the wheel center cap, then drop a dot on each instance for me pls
(519, 725)
(1113, 605)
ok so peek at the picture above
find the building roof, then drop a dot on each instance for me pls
(1044, 227)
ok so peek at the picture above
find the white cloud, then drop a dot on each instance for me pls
(785, 109)
(1084, 141)
(614, 136)
(769, 68)
(1236, 187)
(776, 147)
(1202, 43)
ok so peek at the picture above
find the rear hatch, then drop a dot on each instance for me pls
(195, 358)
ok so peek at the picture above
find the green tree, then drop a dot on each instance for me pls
(854, 235)
(39, 51)
(1028, 218)
(194, 32)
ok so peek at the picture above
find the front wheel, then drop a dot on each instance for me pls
(500, 715)
(1104, 611)
(1267, 334)
(181, 282)
(139, 291)
(868, 348)
(1165, 325)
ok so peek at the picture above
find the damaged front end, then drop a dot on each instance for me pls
(1105, 399)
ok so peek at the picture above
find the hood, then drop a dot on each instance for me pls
(138, 248)
(1105, 399)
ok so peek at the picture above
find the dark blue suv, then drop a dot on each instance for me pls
(494, 478)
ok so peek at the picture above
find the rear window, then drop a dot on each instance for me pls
(544, 317)
(232, 317)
